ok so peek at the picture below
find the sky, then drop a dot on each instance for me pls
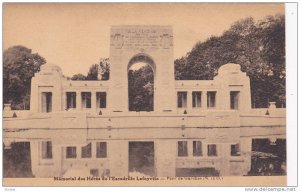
(75, 36)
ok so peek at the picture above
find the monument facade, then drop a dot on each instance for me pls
(205, 127)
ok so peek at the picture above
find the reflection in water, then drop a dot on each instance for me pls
(141, 158)
(17, 161)
(267, 158)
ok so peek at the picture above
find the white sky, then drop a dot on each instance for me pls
(75, 36)
(137, 66)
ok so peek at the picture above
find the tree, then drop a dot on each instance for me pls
(104, 68)
(19, 66)
(181, 68)
(99, 71)
(93, 73)
(259, 47)
(78, 77)
(140, 89)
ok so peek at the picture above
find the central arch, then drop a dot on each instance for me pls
(142, 57)
(141, 83)
(150, 44)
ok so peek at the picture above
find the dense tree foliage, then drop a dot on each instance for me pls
(258, 46)
(104, 68)
(93, 72)
(19, 66)
(98, 71)
(79, 77)
(140, 89)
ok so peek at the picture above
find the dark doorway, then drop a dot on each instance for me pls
(17, 161)
(141, 158)
(46, 102)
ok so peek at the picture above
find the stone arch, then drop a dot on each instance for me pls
(142, 57)
(151, 44)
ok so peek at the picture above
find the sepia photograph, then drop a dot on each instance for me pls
(144, 94)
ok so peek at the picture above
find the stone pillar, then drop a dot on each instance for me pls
(34, 96)
(7, 110)
(57, 160)
(204, 100)
(189, 100)
(223, 150)
(94, 101)
(78, 100)
(204, 149)
(7, 144)
(64, 101)
(272, 105)
(190, 148)
(34, 155)
(94, 149)
(218, 100)
(118, 158)
(246, 147)
(165, 154)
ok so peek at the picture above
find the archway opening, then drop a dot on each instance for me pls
(141, 72)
